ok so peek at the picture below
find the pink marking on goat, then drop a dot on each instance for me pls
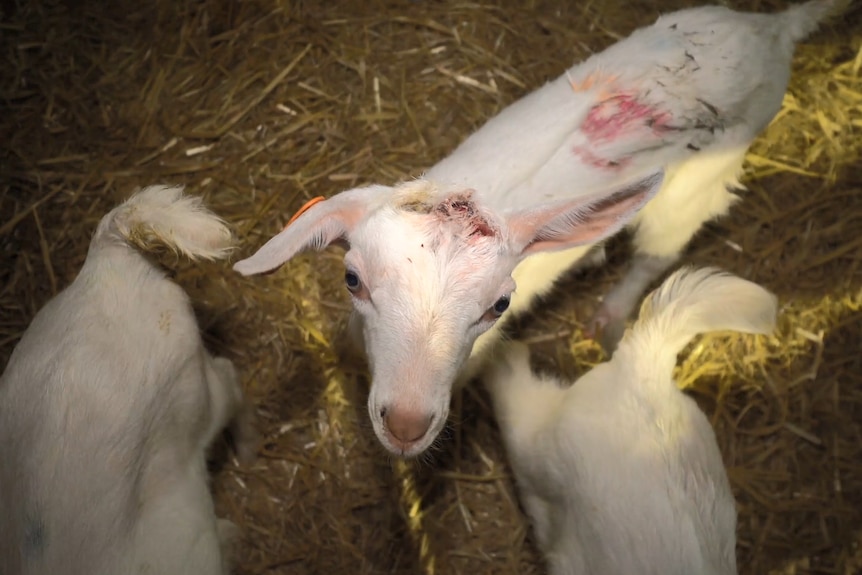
(461, 207)
(614, 116)
(592, 159)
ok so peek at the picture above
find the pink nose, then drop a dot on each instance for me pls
(406, 426)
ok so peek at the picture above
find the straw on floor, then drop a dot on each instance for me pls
(262, 104)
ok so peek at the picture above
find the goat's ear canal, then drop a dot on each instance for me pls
(317, 225)
(583, 221)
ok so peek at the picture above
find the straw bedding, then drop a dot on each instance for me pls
(260, 105)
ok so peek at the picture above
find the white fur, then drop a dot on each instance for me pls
(107, 406)
(714, 77)
(620, 472)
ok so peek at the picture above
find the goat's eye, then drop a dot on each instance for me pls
(501, 305)
(494, 312)
(351, 278)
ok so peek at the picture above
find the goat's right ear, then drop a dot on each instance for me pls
(581, 221)
(314, 229)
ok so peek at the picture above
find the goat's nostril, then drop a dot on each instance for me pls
(407, 426)
(383, 413)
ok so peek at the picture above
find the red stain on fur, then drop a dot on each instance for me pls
(614, 116)
(590, 158)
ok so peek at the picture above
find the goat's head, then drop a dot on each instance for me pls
(429, 270)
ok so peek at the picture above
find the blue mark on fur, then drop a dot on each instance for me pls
(34, 538)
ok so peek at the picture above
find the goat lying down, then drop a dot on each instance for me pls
(108, 404)
(621, 473)
(660, 120)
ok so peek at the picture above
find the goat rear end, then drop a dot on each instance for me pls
(108, 404)
(621, 472)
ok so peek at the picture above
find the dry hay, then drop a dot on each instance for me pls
(261, 105)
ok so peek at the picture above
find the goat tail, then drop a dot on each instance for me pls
(694, 301)
(801, 20)
(163, 216)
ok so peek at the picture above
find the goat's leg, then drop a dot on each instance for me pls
(561, 550)
(228, 537)
(694, 193)
(609, 321)
(244, 433)
(539, 512)
(230, 408)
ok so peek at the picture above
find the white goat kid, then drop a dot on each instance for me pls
(551, 175)
(621, 473)
(108, 404)
(429, 271)
(689, 93)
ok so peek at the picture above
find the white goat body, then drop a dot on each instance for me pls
(661, 119)
(690, 93)
(620, 472)
(107, 405)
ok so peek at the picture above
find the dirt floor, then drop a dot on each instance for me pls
(260, 105)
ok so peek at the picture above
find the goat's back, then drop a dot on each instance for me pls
(101, 407)
(88, 399)
(631, 488)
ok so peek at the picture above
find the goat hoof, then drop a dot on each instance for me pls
(607, 328)
(595, 258)
(245, 435)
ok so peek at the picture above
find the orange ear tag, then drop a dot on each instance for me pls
(304, 209)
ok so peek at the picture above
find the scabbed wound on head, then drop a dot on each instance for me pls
(461, 209)
(457, 208)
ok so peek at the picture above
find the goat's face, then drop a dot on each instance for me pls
(427, 279)
(429, 271)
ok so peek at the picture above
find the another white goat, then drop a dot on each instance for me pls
(621, 473)
(432, 264)
(108, 404)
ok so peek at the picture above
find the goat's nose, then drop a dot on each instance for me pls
(406, 426)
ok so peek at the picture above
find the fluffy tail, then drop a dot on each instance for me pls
(164, 216)
(801, 20)
(693, 301)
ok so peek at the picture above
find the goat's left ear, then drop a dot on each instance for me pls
(314, 227)
(583, 221)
